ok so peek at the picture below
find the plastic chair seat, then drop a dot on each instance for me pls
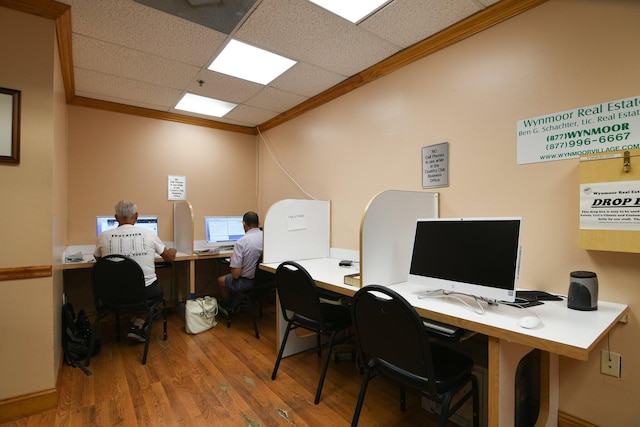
(393, 342)
(302, 308)
(119, 287)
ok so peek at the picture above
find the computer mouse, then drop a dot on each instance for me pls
(345, 263)
(530, 322)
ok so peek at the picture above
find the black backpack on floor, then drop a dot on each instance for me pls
(76, 336)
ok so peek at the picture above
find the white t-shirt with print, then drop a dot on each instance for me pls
(138, 243)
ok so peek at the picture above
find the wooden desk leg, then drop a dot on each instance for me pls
(192, 279)
(504, 358)
(493, 388)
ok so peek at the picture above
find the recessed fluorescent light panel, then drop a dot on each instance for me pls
(248, 62)
(203, 105)
(351, 10)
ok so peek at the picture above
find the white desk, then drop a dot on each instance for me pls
(327, 275)
(325, 272)
(564, 332)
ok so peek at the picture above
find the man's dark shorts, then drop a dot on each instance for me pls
(241, 284)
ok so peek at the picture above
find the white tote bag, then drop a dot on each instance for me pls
(200, 314)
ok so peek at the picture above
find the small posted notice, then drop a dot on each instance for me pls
(177, 187)
(296, 215)
(435, 165)
(610, 206)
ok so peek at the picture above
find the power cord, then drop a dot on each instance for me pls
(454, 295)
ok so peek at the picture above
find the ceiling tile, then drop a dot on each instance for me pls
(307, 80)
(406, 22)
(488, 2)
(146, 29)
(125, 91)
(305, 32)
(275, 100)
(223, 87)
(250, 115)
(109, 58)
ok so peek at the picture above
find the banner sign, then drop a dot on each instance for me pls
(610, 206)
(599, 128)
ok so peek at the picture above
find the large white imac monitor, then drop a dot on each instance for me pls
(223, 230)
(150, 222)
(473, 256)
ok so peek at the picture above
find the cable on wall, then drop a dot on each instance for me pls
(282, 168)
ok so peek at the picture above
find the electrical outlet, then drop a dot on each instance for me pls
(611, 363)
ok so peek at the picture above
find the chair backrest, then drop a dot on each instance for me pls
(297, 292)
(117, 280)
(392, 337)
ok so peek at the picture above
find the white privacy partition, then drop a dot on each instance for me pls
(387, 233)
(183, 227)
(296, 229)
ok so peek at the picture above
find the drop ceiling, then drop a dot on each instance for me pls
(137, 55)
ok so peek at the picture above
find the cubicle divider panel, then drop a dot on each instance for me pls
(183, 227)
(297, 229)
(387, 233)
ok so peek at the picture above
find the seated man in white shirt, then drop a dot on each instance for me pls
(246, 253)
(142, 246)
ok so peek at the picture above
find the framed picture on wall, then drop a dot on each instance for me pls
(9, 125)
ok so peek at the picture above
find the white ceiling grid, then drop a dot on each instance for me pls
(128, 53)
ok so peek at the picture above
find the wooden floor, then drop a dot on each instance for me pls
(221, 377)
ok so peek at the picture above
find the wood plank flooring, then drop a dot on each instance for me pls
(221, 377)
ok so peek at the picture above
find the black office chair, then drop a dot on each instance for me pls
(394, 343)
(262, 283)
(118, 287)
(302, 308)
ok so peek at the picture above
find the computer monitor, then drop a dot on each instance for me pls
(223, 229)
(150, 222)
(474, 256)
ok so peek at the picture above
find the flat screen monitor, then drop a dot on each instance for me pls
(223, 229)
(474, 256)
(150, 222)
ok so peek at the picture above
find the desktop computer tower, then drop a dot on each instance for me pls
(527, 390)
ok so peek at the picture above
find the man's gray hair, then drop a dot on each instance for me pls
(126, 209)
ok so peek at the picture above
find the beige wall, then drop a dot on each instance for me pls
(28, 356)
(60, 200)
(562, 55)
(114, 156)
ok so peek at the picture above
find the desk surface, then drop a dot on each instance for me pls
(325, 272)
(88, 260)
(564, 331)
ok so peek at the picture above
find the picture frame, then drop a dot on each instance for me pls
(9, 126)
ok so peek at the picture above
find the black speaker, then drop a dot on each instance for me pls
(583, 291)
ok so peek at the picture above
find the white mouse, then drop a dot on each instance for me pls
(530, 322)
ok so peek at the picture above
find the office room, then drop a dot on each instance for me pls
(558, 56)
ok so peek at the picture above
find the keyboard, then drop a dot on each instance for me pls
(440, 328)
(537, 295)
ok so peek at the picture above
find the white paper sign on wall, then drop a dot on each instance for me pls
(176, 187)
